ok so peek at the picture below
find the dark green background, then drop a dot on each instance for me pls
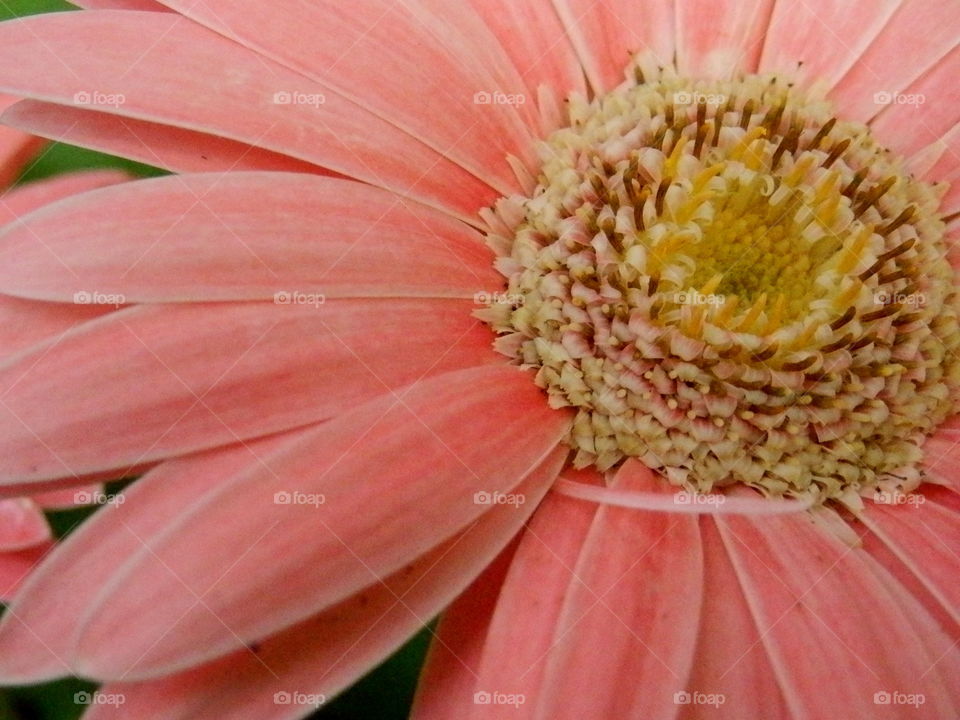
(385, 694)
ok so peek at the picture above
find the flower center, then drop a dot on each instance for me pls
(732, 285)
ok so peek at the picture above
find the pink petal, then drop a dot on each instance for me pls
(542, 53)
(24, 323)
(396, 477)
(928, 120)
(66, 498)
(639, 586)
(717, 38)
(179, 66)
(184, 378)
(731, 659)
(163, 146)
(22, 525)
(813, 596)
(449, 672)
(818, 42)
(882, 67)
(383, 55)
(36, 632)
(242, 236)
(326, 652)
(16, 148)
(607, 33)
(120, 5)
(22, 199)
(924, 535)
(15, 567)
(523, 630)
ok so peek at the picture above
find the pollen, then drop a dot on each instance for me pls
(731, 284)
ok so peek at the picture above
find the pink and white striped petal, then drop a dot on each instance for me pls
(797, 577)
(930, 28)
(607, 33)
(818, 42)
(328, 651)
(189, 77)
(163, 146)
(242, 236)
(184, 378)
(36, 632)
(639, 587)
(718, 38)
(391, 60)
(388, 482)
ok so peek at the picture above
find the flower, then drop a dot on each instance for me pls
(24, 534)
(333, 451)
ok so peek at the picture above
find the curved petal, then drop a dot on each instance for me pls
(16, 148)
(818, 42)
(67, 498)
(542, 52)
(449, 672)
(326, 652)
(36, 631)
(717, 38)
(183, 378)
(379, 485)
(925, 536)
(930, 107)
(25, 323)
(22, 199)
(607, 33)
(22, 525)
(190, 77)
(882, 68)
(162, 146)
(812, 595)
(242, 236)
(386, 57)
(638, 586)
(15, 567)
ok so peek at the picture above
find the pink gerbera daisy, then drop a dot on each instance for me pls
(637, 319)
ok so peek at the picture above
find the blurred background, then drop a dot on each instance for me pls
(385, 694)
